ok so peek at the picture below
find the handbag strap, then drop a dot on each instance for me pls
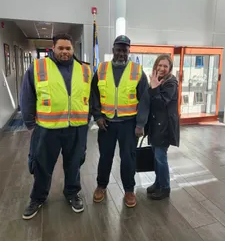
(142, 141)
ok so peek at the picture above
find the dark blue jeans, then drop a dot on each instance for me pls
(46, 147)
(162, 180)
(124, 132)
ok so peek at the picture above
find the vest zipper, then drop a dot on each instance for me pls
(116, 100)
(69, 106)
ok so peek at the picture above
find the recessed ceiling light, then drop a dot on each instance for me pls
(44, 28)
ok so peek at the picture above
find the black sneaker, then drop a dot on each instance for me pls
(160, 194)
(153, 188)
(31, 210)
(77, 204)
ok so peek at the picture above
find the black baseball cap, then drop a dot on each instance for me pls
(122, 39)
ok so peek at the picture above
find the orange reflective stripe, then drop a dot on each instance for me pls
(132, 96)
(53, 113)
(41, 70)
(127, 109)
(134, 72)
(102, 71)
(108, 109)
(52, 117)
(62, 116)
(78, 116)
(86, 73)
(46, 102)
(37, 69)
(120, 109)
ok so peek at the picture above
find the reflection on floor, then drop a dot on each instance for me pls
(194, 212)
(16, 124)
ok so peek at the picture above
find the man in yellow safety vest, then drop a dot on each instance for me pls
(55, 108)
(117, 87)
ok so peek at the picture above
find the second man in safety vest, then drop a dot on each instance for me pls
(55, 106)
(117, 87)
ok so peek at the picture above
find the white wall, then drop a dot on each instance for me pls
(219, 40)
(77, 34)
(70, 11)
(10, 35)
(175, 22)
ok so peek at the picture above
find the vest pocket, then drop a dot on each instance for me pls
(102, 90)
(44, 99)
(132, 95)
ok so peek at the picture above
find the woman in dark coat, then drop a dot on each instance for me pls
(158, 118)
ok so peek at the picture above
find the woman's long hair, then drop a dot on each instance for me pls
(163, 57)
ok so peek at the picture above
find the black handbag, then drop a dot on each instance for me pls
(145, 160)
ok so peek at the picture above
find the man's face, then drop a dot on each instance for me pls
(120, 53)
(63, 50)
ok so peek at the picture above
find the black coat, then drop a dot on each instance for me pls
(163, 127)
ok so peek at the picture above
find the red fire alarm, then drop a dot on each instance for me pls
(94, 10)
(2, 24)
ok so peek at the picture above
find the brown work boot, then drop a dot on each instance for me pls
(99, 194)
(130, 199)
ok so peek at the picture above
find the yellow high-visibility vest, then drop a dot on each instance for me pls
(54, 107)
(121, 99)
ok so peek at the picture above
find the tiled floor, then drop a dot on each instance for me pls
(194, 212)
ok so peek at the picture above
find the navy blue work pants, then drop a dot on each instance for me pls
(46, 145)
(124, 133)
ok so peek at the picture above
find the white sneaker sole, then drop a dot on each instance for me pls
(78, 210)
(31, 216)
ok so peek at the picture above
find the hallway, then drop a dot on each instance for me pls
(194, 212)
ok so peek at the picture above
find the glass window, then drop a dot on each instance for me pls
(137, 58)
(176, 66)
(146, 60)
(199, 85)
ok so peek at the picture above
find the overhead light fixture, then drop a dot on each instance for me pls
(44, 28)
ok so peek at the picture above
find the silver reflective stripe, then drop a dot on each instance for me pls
(42, 74)
(134, 72)
(46, 102)
(120, 108)
(52, 117)
(127, 109)
(78, 116)
(85, 73)
(108, 108)
(102, 72)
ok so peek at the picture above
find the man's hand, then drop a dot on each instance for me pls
(102, 124)
(139, 131)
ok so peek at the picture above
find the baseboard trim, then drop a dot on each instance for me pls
(6, 124)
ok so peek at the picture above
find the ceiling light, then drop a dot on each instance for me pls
(44, 28)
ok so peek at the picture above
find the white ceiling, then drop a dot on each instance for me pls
(42, 30)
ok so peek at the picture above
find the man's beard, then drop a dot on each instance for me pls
(119, 63)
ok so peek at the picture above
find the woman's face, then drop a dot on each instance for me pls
(163, 68)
